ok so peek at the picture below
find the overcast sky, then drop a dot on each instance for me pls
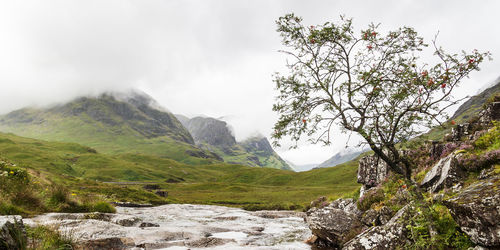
(203, 57)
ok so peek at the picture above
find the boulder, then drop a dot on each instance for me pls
(371, 171)
(372, 217)
(12, 232)
(476, 209)
(392, 235)
(336, 223)
(384, 215)
(148, 224)
(208, 242)
(445, 173)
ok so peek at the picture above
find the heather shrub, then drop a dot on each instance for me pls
(372, 196)
(474, 162)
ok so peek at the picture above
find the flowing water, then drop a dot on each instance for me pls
(180, 226)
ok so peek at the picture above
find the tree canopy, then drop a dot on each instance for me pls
(367, 82)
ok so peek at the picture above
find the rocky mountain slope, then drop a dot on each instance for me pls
(216, 135)
(341, 157)
(472, 106)
(111, 123)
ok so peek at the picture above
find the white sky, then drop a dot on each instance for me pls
(203, 57)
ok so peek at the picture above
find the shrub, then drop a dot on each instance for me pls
(58, 195)
(103, 207)
(9, 209)
(448, 234)
(42, 237)
(473, 162)
(372, 196)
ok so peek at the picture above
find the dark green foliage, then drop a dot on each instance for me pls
(448, 234)
(103, 207)
(491, 139)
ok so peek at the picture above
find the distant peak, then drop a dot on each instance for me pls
(136, 97)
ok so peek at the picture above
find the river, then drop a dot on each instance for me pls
(183, 226)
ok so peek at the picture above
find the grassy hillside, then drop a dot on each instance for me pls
(83, 170)
(110, 126)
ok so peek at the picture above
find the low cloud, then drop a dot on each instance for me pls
(199, 57)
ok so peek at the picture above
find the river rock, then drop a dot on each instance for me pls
(445, 173)
(476, 209)
(11, 231)
(335, 223)
(113, 243)
(389, 236)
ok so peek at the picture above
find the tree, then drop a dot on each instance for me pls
(369, 83)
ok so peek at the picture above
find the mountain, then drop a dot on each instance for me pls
(472, 106)
(210, 131)
(217, 136)
(111, 123)
(341, 157)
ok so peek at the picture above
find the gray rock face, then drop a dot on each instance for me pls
(461, 130)
(435, 149)
(372, 217)
(336, 223)
(211, 131)
(11, 232)
(389, 236)
(476, 209)
(371, 171)
(491, 113)
(445, 173)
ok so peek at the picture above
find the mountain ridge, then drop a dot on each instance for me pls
(217, 136)
(111, 123)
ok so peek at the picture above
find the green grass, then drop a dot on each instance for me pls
(240, 156)
(83, 172)
(42, 237)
